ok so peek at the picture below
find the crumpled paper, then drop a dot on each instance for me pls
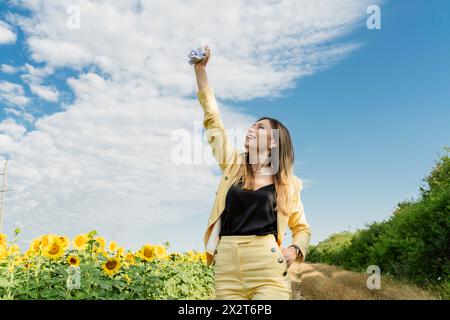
(195, 55)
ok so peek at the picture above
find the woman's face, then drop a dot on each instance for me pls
(259, 136)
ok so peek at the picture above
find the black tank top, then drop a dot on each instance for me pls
(249, 212)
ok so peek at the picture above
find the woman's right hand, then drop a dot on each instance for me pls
(202, 63)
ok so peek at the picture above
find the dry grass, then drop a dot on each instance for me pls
(326, 282)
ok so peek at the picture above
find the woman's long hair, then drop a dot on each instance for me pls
(284, 153)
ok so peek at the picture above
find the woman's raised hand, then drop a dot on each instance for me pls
(202, 63)
(200, 70)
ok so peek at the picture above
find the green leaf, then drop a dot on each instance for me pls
(4, 283)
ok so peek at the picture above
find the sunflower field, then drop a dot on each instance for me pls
(86, 267)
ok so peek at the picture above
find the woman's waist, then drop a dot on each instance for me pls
(266, 238)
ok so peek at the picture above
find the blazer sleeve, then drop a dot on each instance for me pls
(301, 231)
(215, 130)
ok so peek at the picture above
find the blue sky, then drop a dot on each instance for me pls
(369, 129)
(367, 126)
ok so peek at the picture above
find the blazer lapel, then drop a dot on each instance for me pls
(213, 228)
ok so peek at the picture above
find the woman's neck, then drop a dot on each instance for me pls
(261, 169)
(262, 166)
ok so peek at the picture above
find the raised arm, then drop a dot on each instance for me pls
(215, 130)
(200, 70)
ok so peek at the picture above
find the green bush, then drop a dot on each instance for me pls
(413, 244)
(327, 251)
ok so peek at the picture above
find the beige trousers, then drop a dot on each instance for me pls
(250, 267)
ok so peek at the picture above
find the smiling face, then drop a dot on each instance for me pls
(259, 137)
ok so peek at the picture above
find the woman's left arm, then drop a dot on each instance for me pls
(301, 231)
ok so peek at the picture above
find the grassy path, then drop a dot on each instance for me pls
(326, 282)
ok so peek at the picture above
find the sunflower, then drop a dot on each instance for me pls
(112, 246)
(35, 245)
(3, 253)
(103, 252)
(22, 260)
(64, 241)
(146, 252)
(100, 243)
(44, 240)
(80, 242)
(73, 261)
(111, 266)
(191, 256)
(13, 250)
(174, 256)
(120, 252)
(30, 253)
(28, 264)
(3, 238)
(53, 250)
(160, 251)
(129, 258)
(201, 256)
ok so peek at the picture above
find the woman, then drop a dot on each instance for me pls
(258, 196)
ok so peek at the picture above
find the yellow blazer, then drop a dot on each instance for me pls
(228, 158)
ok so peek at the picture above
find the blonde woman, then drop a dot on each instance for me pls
(257, 198)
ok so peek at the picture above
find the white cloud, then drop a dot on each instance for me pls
(12, 93)
(34, 78)
(6, 68)
(12, 129)
(7, 36)
(104, 162)
(21, 114)
(45, 93)
(13, 111)
(60, 53)
(260, 47)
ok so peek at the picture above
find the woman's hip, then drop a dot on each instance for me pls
(250, 256)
